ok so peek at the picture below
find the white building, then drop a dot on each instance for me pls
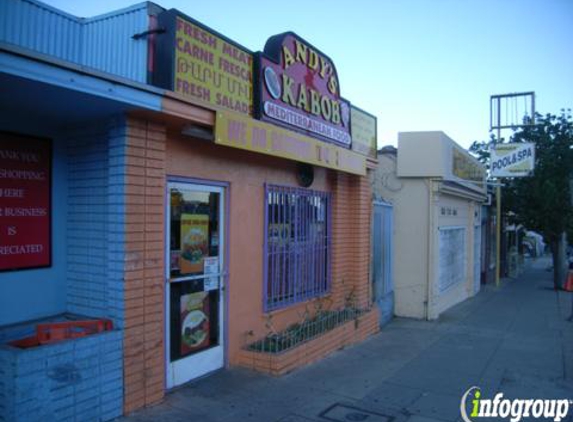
(436, 188)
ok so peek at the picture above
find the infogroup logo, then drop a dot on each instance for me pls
(515, 409)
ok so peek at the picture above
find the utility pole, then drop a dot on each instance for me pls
(498, 213)
(519, 111)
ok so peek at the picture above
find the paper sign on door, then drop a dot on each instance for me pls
(211, 266)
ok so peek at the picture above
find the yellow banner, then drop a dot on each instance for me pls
(238, 131)
(363, 130)
(210, 69)
(466, 168)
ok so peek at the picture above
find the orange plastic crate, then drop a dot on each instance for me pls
(58, 331)
(26, 342)
(569, 283)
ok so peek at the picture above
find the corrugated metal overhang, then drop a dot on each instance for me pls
(60, 93)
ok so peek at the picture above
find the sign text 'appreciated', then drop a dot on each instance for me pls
(24, 202)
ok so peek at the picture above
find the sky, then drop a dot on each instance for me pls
(415, 64)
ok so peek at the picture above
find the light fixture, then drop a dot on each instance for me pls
(199, 132)
(304, 174)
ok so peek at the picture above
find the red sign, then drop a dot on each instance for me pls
(299, 89)
(24, 202)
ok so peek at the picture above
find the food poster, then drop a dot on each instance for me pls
(195, 322)
(194, 242)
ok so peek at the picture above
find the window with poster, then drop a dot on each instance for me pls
(452, 257)
(194, 268)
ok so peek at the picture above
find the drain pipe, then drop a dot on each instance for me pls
(430, 249)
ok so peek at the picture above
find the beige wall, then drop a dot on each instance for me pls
(431, 154)
(423, 154)
(418, 215)
(411, 221)
(410, 200)
(464, 218)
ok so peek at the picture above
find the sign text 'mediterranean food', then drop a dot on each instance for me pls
(210, 69)
(299, 89)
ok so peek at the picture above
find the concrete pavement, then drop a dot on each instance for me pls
(514, 340)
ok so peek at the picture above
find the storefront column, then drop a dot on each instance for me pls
(144, 357)
(351, 214)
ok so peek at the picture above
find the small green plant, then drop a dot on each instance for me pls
(309, 328)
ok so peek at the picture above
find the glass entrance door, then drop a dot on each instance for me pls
(194, 290)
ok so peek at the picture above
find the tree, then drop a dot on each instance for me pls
(542, 202)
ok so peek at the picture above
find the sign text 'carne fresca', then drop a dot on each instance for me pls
(299, 89)
(202, 65)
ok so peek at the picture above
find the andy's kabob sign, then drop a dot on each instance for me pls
(299, 89)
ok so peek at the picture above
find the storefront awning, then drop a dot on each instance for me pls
(462, 190)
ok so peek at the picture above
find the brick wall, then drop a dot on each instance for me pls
(87, 221)
(96, 212)
(351, 214)
(114, 236)
(144, 157)
(115, 242)
(77, 380)
(7, 378)
(349, 333)
(81, 379)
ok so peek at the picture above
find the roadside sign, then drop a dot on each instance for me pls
(512, 160)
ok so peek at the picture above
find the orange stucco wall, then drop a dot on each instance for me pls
(151, 154)
(246, 174)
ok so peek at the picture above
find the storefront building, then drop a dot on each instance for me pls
(202, 198)
(488, 215)
(436, 189)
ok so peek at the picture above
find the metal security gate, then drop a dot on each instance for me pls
(477, 258)
(382, 255)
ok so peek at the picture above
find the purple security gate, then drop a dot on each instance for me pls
(297, 245)
(382, 259)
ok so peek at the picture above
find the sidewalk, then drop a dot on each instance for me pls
(514, 340)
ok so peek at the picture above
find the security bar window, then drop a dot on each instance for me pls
(453, 257)
(297, 245)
